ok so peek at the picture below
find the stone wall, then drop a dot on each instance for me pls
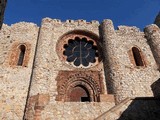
(51, 69)
(48, 62)
(75, 110)
(40, 107)
(125, 78)
(15, 79)
(44, 81)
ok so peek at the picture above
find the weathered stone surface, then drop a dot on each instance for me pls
(15, 79)
(41, 87)
(125, 78)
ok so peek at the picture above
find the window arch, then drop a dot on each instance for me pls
(137, 57)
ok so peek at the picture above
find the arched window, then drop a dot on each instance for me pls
(22, 49)
(138, 60)
(19, 55)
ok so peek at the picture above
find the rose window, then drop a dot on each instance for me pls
(80, 51)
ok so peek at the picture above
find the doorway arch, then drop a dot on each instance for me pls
(91, 92)
(81, 86)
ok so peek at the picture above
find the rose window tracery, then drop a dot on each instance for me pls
(80, 51)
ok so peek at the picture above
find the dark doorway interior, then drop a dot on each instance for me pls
(85, 99)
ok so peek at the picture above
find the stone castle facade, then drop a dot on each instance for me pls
(78, 70)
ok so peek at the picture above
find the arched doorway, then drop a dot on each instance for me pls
(78, 86)
(79, 94)
(81, 91)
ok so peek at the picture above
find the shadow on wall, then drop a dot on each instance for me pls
(145, 108)
(156, 88)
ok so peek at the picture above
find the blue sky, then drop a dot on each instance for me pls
(122, 12)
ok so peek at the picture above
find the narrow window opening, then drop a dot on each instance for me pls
(137, 57)
(21, 55)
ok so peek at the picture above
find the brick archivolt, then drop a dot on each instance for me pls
(67, 80)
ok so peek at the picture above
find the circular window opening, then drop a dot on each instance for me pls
(80, 51)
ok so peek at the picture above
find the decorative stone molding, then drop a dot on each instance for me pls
(91, 80)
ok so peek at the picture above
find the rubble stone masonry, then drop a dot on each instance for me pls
(38, 79)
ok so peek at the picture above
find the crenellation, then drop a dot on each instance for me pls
(95, 22)
(46, 20)
(69, 21)
(129, 31)
(128, 28)
(56, 21)
(81, 21)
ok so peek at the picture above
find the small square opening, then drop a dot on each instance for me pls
(85, 99)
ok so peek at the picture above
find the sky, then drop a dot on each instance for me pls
(122, 12)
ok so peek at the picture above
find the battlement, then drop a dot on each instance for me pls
(69, 21)
(128, 28)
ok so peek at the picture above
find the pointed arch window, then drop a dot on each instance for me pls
(137, 57)
(22, 50)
